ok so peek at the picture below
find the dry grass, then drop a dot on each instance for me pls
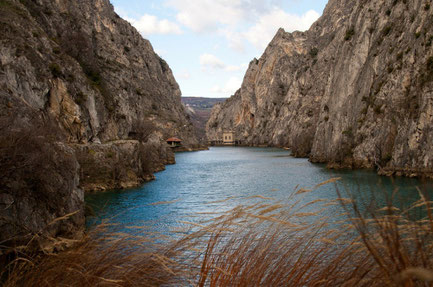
(113, 260)
(262, 244)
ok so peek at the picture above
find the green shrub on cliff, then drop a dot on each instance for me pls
(313, 52)
(55, 69)
(348, 132)
(349, 34)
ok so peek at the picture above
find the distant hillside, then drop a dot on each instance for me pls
(201, 103)
(199, 110)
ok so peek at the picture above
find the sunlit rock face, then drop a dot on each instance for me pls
(353, 91)
(78, 65)
(89, 68)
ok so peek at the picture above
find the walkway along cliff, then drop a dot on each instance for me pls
(356, 90)
(85, 103)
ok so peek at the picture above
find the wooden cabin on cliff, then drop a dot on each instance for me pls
(174, 142)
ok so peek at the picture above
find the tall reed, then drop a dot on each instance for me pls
(265, 243)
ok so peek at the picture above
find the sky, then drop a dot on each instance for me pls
(208, 44)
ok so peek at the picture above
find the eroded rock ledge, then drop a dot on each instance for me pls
(121, 164)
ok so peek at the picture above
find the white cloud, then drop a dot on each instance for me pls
(185, 75)
(232, 85)
(211, 63)
(264, 30)
(206, 15)
(236, 40)
(149, 25)
(254, 21)
(233, 68)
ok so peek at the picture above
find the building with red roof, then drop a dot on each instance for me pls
(174, 142)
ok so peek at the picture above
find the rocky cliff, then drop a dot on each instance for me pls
(112, 102)
(88, 68)
(353, 91)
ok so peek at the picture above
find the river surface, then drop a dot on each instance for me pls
(199, 182)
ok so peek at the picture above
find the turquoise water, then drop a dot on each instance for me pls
(197, 184)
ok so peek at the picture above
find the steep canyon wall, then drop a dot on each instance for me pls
(80, 83)
(353, 91)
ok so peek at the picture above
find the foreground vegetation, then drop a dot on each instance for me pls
(319, 243)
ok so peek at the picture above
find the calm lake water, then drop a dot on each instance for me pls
(199, 181)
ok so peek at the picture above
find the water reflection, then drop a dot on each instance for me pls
(199, 184)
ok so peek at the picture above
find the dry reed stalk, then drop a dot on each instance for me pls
(262, 244)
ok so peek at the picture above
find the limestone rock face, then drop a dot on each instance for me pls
(121, 164)
(79, 66)
(89, 68)
(353, 91)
